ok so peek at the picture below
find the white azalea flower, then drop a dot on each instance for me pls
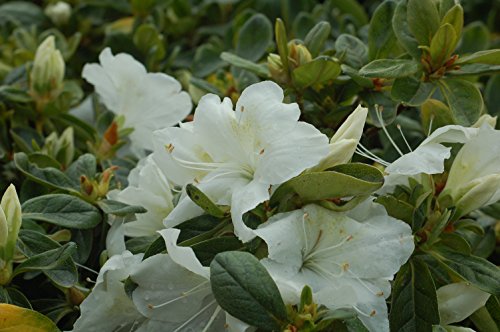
(236, 156)
(147, 187)
(345, 140)
(458, 301)
(147, 101)
(474, 178)
(174, 292)
(347, 261)
(108, 308)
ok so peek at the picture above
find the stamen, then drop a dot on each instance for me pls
(335, 246)
(378, 112)
(87, 268)
(183, 295)
(370, 155)
(404, 138)
(180, 328)
(430, 125)
(211, 320)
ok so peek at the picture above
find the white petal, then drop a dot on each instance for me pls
(183, 256)
(108, 306)
(115, 239)
(458, 301)
(352, 127)
(244, 199)
(427, 159)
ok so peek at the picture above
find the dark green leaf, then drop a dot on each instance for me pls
(478, 271)
(463, 98)
(316, 38)
(55, 264)
(351, 51)
(239, 62)
(414, 302)
(476, 37)
(206, 250)
(244, 288)
(402, 30)
(423, 20)
(381, 39)
(62, 210)
(118, 208)
(254, 37)
(411, 90)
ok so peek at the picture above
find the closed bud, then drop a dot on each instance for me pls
(47, 74)
(59, 13)
(10, 223)
(298, 54)
(276, 69)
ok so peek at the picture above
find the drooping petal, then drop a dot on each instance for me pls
(427, 159)
(108, 307)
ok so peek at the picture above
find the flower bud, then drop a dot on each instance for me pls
(10, 223)
(59, 13)
(343, 144)
(276, 69)
(47, 73)
(298, 54)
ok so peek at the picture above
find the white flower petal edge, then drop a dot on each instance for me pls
(148, 187)
(148, 101)
(108, 306)
(458, 301)
(246, 151)
(337, 255)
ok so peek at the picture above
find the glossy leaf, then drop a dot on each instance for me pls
(390, 68)
(62, 210)
(14, 318)
(244, 288)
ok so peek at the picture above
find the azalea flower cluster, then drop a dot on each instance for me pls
(238, 155)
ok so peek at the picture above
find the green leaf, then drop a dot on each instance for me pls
(423, 20)
(381, 40)
(62, 210)
(21, 12)
(347, 180)
(15, 318)
(85, 165)
(455, 17)
(149, 41)
(402, 30)
(316, 37)
(50, 177)
(207, 60)
(414, 302)
(254, 37)
(206, 250)
(411, 90)
(56, 264)
(397, 208)
(490, 57)
(475, 37)
(475, 69)
(443, 44)
(156, 247)
(202, 200)
(118, 208)
(437, 112)
(281, 42)
(244, 288)
(239, 62)
(353, 8)
(351, 51)
(478, 271)
(390, 68)
(492, 97)
(317, 71)
(463, 98)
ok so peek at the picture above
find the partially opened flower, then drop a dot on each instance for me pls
(236, 156)
(148, 187)
(347, 259)
(147, 101)
(345, 140)
(474, 178)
